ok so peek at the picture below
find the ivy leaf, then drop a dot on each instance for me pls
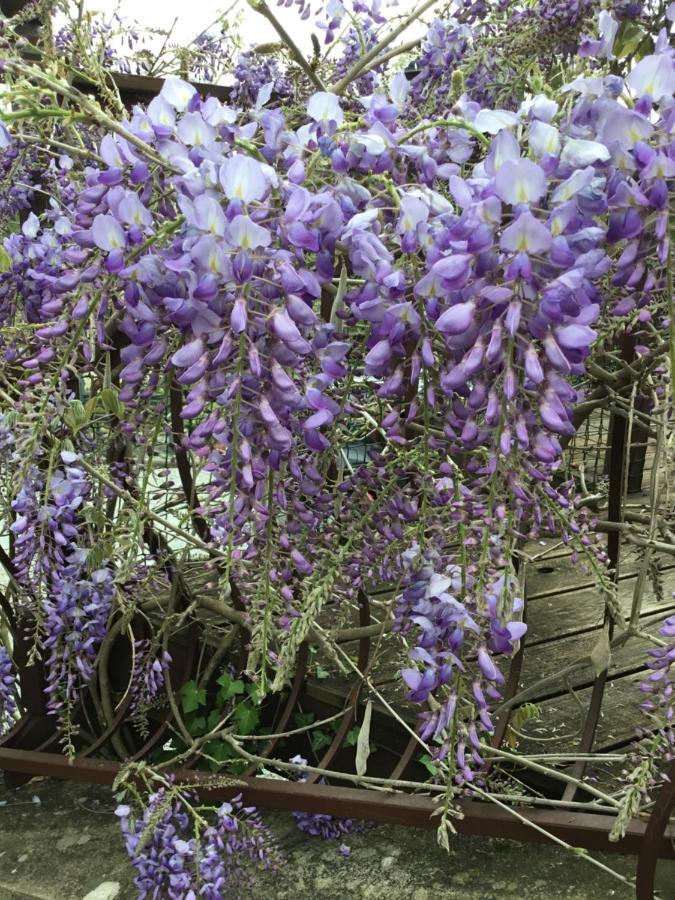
(352, 737)
(219, 752)
(302, 719)
(229, 686)
(214, 717)
(197, 726)
(253, 691)
(320, 739)
(246, 718)
(192, 697)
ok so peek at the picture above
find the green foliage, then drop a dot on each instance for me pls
(235, 706)
(192, 697)
(632, 41)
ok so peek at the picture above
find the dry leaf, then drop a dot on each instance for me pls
(363, 741)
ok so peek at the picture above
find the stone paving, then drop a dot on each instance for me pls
(60, 841)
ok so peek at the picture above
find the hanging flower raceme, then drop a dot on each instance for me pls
(8, 705)
(423, 272)
(75, 616)
(464, 614)
(148, 677)
(177, 856)
(659, 687)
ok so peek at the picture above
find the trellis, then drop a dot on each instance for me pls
(602, 449)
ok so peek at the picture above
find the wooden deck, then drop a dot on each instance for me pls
(564, 614)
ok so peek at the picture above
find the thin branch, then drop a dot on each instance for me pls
(364, 63)
(261, 7)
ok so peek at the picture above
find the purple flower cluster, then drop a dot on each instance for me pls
(148, 676)
(46, 522)
(178, 856)
(327, 827)
(443, 50)
(123, 45)
(505, 39)
(458, 642)
(74, 602)
(211, 55)
(353, 45)
(17, 175)
(8, 705)
(660, 690)
(98, 41)
(252, 73)
(75, 622)
(431, 286)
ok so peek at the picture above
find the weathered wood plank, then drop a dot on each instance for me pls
(562, 718)
(557, 655)
(550, 577)
(553, 618)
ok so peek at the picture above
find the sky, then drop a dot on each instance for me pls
(193, 17)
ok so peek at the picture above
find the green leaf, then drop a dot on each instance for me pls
(246, 718)
(231, 690)
(76, 415)
(352, 737)
(428, 764)
(220, 751)
(253, 691)
(192, 697)
(320, 739)
(5, 260)
(111, 402)
(196, 726)
(229, 686)
(301, 719)
(90, 407)
(214, 717)
(94, 516)
(321, 672)
(629, 38)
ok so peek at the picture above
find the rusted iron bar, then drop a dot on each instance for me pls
(587, 830)
(655, 832)
(617, 462)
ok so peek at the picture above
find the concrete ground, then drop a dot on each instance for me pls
(66, 843)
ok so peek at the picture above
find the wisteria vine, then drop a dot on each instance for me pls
(431, 254)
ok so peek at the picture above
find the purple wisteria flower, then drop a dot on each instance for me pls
(8, 704)
(659, 687)
(177, 857)
(323, 825)
(457, 640)
(424, 271)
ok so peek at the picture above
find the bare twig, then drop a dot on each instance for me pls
(365, 62)
(260, 6)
